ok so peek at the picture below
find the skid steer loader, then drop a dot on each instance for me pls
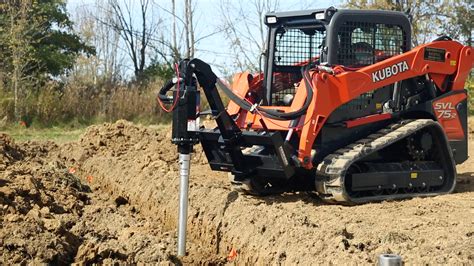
(344, 106)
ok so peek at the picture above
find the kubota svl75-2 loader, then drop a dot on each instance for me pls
(344, 106)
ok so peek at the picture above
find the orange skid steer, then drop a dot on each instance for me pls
(344, 106)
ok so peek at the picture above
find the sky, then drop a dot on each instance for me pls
(215, 48)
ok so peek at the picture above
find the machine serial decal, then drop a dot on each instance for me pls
(389, 71)
(445, 110)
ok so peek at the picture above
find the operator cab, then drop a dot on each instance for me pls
(351, 38)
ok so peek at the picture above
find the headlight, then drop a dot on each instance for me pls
(319, 16)
(271, 20)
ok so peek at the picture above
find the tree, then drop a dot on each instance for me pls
(17, 52)
(460, 21)
(244, 28)
(185, 28)
(133, 30)
(137, 37)
(174, 47)
(35, 43)
(189, 28)
(92, 23)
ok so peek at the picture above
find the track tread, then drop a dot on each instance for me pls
(335, 165)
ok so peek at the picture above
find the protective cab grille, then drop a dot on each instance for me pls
(362, 44)
(294, 48)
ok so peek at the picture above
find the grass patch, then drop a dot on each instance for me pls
(56, 134)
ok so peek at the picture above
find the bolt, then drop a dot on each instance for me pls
(410, 185)
(440, 177)
(394, 186)
(306, 160)
(423, 184)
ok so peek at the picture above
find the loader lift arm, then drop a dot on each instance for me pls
(224, 144)
(229, 131)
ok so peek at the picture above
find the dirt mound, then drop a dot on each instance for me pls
(38, 202)
(113, 231)
(8, 152)
(137, 163)
(48, 215)
(118, 139)
(129, 214)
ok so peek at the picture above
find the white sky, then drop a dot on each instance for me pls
(214, 49)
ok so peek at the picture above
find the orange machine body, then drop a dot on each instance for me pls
(330, 91)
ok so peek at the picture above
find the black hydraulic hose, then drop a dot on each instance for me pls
(242, 103)
(233, 97)
(166, 87)
(443, 38)
(270, 113)
(298, 113)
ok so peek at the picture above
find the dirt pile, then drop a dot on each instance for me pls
(113, 231)
(48, 215)
(120, 139)
(130, 212)
(125, 160)
(39, 202)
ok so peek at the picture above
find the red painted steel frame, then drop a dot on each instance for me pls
(367, 120)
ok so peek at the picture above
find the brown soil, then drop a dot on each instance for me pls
(112, 197)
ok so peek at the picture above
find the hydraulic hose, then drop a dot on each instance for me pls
(242, 103)
(270, 113)
(295, 114)
(162, 93)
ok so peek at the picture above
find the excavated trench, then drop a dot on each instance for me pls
(78, 203)
(140, 165)
(129, 193)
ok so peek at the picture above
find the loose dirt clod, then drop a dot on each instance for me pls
(128, 211)
(39, 201)
(119, 201)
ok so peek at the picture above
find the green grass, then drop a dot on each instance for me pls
(56, 134)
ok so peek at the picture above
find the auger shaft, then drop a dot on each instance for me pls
(184, 166)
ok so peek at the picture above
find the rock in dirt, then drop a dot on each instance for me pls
(119, 201)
